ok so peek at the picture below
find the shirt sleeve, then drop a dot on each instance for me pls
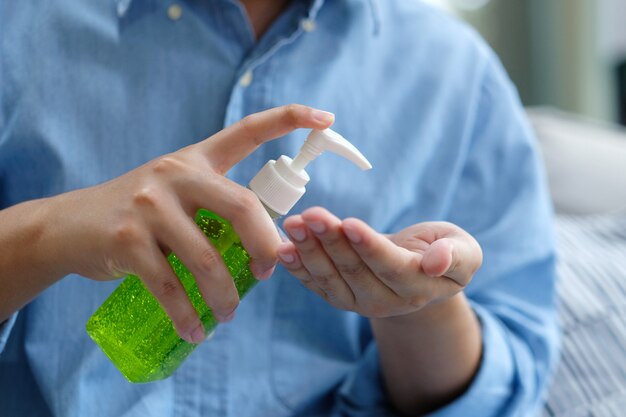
(361, 393)
(502, 200)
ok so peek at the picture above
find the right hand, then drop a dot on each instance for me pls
(129, 224)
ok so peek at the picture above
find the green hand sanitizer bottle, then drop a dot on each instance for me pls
(131, 327)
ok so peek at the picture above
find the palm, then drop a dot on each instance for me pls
(355, 268)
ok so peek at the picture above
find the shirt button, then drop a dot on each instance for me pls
(307, 25)
(246, 79)
(174, 12)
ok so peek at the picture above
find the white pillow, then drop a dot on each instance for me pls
(585, 161)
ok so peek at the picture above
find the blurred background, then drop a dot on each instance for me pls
(568, 61)
(568, 54)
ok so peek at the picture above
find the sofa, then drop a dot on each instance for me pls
(586, 167)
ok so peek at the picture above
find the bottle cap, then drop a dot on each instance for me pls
(280, 184)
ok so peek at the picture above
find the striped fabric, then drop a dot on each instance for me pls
(591, 379)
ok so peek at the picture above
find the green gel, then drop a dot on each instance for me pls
(133, 330)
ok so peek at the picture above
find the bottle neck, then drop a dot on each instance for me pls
(275, 216)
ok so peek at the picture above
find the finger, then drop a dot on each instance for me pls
(237, 141)
(448, 250)
(243, 209)
(456, 257)
(288, 256)
(361, 280)
(395, 266)
(198, 255)
(437, 258)
(318, 264)
(160, 280)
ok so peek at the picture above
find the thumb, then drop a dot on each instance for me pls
(455, 258)
(231, 145)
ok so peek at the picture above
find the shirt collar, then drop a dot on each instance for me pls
(124, 8)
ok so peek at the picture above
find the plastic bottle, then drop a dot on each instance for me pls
(131, 327)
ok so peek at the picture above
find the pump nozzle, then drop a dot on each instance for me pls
(319, 141)
(280, 184)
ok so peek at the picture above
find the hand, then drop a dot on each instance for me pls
(130, 224)
(355, 268)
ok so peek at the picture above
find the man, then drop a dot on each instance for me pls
(364, 317)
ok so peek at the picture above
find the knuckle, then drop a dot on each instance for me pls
(247, 126)
(208, 260)
(148, 196)
(249, 199)
(166, 165)
(357, 269)
(368, 249)
(167, 288)
(306, 280)
(327, 293)
(390, 275)
(324, 281)
(333, 240)
(307, 249)
(292, 114)
(245, 202)
(127, 233)
(428, 233)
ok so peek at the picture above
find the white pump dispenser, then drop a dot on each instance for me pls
(280, 184)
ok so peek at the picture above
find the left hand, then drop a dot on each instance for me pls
(355, 268)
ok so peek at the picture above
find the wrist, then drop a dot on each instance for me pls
(431, 314)
(28, 261)
(50, 249)
(429, 357)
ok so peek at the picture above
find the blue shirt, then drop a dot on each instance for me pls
(92, 89)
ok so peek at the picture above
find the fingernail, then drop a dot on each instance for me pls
(227, 318)
(317, 227)
(298, 234)
(262, 269)
(323, 116)
(266, 273)
(352, 235)
(286, 257)
(197, 336)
